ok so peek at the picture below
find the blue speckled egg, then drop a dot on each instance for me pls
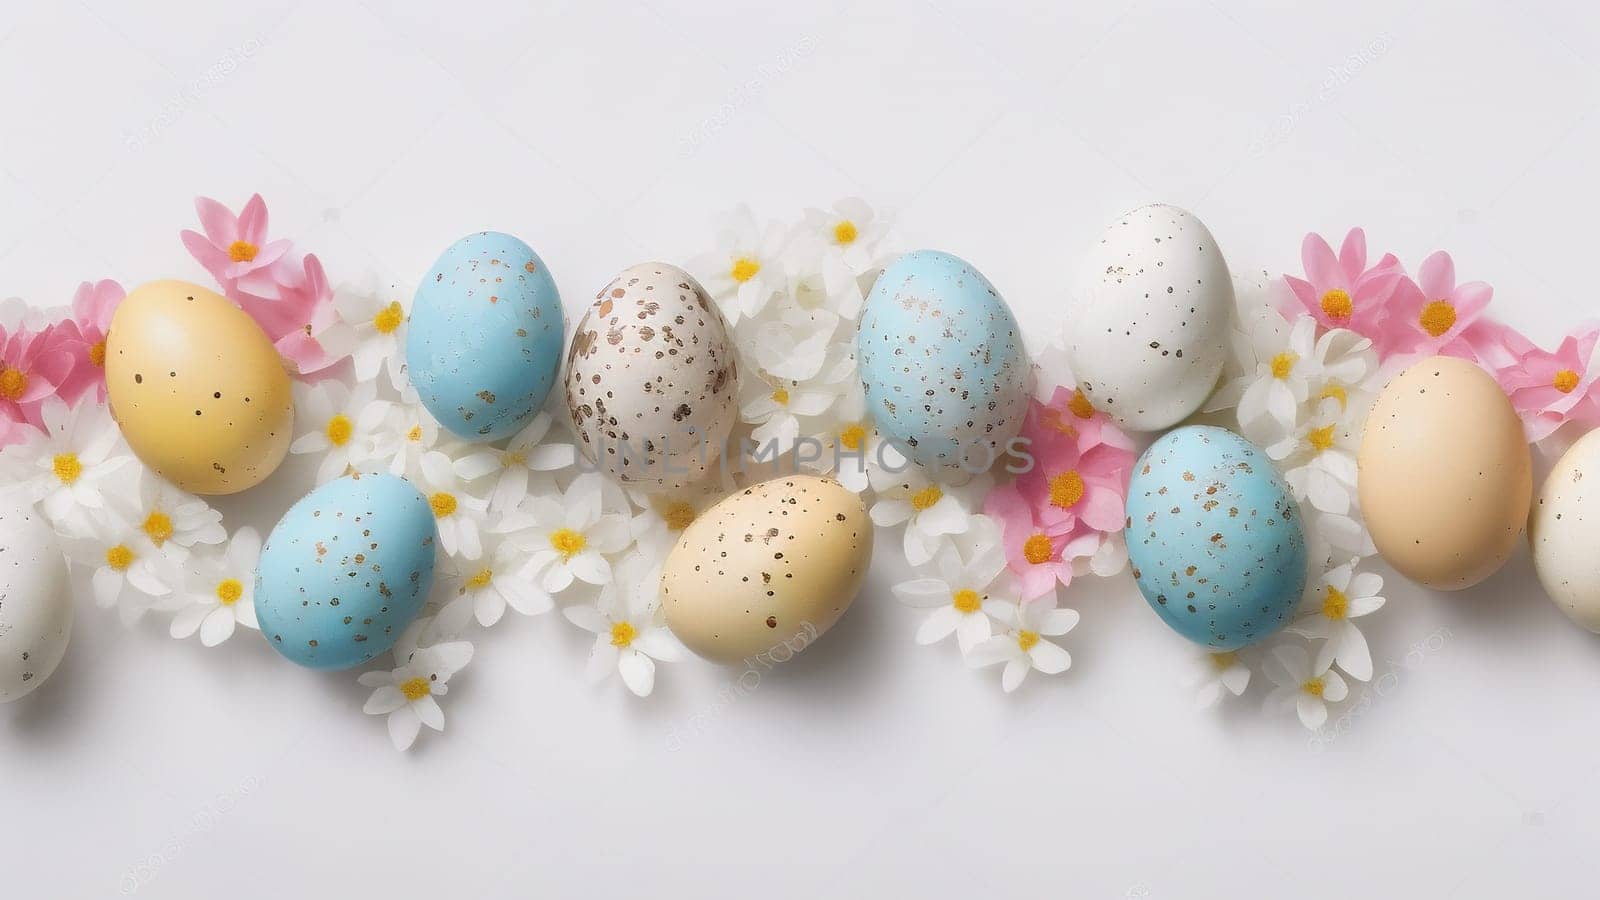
(1215, 538)
(484, 344)
(345, 571)
(942, 362)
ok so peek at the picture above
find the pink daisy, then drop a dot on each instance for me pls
(1550, 389)
(1076, 478)
(1432, 315)
(1038, 558)
(92, 308)
(1340, 291)
(235, 249)
(299, 322)
(33, 366)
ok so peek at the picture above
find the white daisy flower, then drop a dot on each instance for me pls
(1318, 460)
(1302, 685)
(792, 343)
(340, 422)
(1023, 647)
(626, 620)
(483, 589)
(747, 268)
(568, 538)
(960, 596)
(408, 694)
(776, 411)
(376, 312)
(408, 435)
(1212, 675)
(172, 519)
(930, 511)
(1341, 595)
(219, 591)
(524, 454)
(65, 468)
(458, 514)
(847, 240)
(663, 515)
(846, 447)
(1273, 389)
(129, 572)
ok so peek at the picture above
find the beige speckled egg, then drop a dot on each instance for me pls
(652, 382)
(1564, 532)
(197, 388)
(1445, 474)
(772, 566)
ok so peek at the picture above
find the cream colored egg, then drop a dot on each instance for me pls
(767, 570)
(35, 601)
(1445, 474)
(1564, 532)
(197, 388)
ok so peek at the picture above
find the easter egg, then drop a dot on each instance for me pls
(1215, 538)
(35, 600)
(1147, 326)
(1444, 474)
(345, 571)
(652, 379)
(484, 343)
(767, 570)
(1564, 532)
(942, 364)
(197, 388)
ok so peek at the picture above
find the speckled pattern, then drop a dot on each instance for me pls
(484, 344)
(1564, 532)
(1147, 327)
(1215, 538)
(773, 566)
(35, 601)
(942, 362)
(345, 571)
(651, 365)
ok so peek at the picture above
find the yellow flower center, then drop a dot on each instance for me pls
(1438, 317)
(926, 498)
(1566, 381)
(622, 634)
(443, 504)
(229, 590)
(242, 251)
(845, 232)
(13, 384)
(852, 437)
(66, 467)
(389, 318)
(513, 458)
(1037, 549)
(1066, 489)
(1027, 640)
(1336, 305)
(967, 601)
(1313, 687)
(1080, 406)
(119, 557)
(415, 434)
(97, 353)
(1224, 661)
(1335, 605)
(568, 543)
(1320, 439)
(481, 579)
(339, 430)
(1335, 392)
(158, 525)
(744, 269)
(415, 689)
(780, 396)
(1283, 364)
(678, 514)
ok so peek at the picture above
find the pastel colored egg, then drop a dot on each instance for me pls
(1445, 474)
(942, 363)
(484, 344)
(1564, 532)
(768, 570)
(197, 388)
(652, 379)
(35, 601)
(1147, 327)
(345, 571)
(1215, 538)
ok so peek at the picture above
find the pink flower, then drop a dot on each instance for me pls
(1340, 291)
(1080, 466)
(235, 249)
(1434, 314)
(92, 307)
(33, 366)
(302, 321)
(1039, 558)
(1550, 389)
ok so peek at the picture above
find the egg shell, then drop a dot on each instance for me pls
(35, 601)
(345, 571)
(484, 344)
(652, 379)
(1445, 475)
(1564, 532)
(1215, 538)
(1147, 327)
(197, 388)
(942, 363)
(767, 570)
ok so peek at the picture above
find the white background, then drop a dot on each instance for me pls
(608, 134)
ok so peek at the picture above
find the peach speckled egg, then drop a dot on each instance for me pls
(197, 388)
(1445, 474)
(773, 566)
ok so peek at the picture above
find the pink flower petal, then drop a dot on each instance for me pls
(221, 227)
(1353, 254)
(1322, 267)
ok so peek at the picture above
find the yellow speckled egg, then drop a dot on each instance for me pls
(767, 570)
(1445, 474)
(197, 388)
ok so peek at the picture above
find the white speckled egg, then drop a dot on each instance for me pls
(652, 380)
(1564, 532)
(1148, 325)
(773, 566)
(35, 601)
